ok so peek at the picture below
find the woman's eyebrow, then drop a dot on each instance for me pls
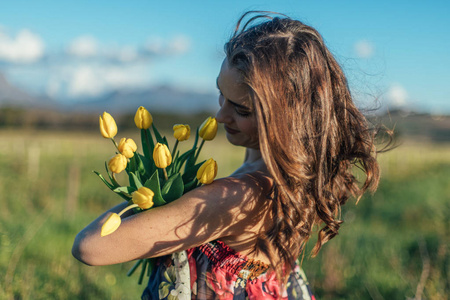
(238, 105)
(231, 101)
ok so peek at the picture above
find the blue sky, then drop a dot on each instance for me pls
(393, 51)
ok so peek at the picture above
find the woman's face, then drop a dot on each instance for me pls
(236, 110)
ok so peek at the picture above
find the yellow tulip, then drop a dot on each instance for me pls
(181, 132)
(127, 147)
(162, 156)
(143, 119)
(207, 172)
(118, 163)
(143, 197)
(208, 129)
(111, 224)
(108, 127)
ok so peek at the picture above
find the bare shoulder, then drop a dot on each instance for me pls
(237, 190)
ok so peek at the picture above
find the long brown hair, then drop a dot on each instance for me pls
(311, 133)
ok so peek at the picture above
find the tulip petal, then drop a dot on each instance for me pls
(207, 172)
(111, 224)
(118, 163)
(181, 132)
(108, 127)
(143, 197)
(162, 156)
(143, 119)
(208, 129)
(127, 147)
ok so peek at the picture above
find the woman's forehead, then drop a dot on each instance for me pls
(230, 82)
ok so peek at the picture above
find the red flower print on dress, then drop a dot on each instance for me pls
(222, 283)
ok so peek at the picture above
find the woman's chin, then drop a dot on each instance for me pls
(235, 140)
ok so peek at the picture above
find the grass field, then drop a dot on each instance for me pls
(393, 245)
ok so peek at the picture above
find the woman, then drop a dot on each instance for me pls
(283, 97)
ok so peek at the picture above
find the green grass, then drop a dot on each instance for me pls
(49, 193)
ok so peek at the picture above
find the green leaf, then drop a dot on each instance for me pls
(179, 161)
(191, 161)
(173, 188)
(191, 173)
(147, 164)
(139, 165)
(125, 197)
(169, 169)
(147, 142)
(109, 185)
(153, 184)
(125, 189)
(158, 136)
(172, 169)
(135, 182)
(132, 165)
(190, 186)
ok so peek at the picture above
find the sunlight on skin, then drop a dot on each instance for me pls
(182, 224)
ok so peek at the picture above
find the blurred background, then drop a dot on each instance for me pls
(62, 64)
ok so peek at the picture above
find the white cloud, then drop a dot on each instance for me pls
(25, 47)
(176, 45)
(85, 82)
(94, 80)
(88, 47)
(154, 44)
(87, 67)
(83, 46)
(127, 54)
(397, 95)
(364, 49)
(179, 44)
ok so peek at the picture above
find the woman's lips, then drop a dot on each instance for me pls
(230, 131)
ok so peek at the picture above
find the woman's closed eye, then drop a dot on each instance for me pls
(239, 109)
(243, 113)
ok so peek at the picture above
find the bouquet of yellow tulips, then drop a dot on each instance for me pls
(156, 176)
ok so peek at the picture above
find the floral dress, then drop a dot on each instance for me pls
(215, 271)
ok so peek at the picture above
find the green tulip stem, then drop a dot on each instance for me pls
(199, 149)
(165, 174)
(127, 209)
(175, 148)
(114, 180)
(136, 265)
(115, 144)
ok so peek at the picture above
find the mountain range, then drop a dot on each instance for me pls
(161, 98)
(12, 96)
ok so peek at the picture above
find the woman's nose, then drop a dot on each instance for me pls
(223, 115)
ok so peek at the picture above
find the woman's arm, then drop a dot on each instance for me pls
(226, 207)
(78, 248)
